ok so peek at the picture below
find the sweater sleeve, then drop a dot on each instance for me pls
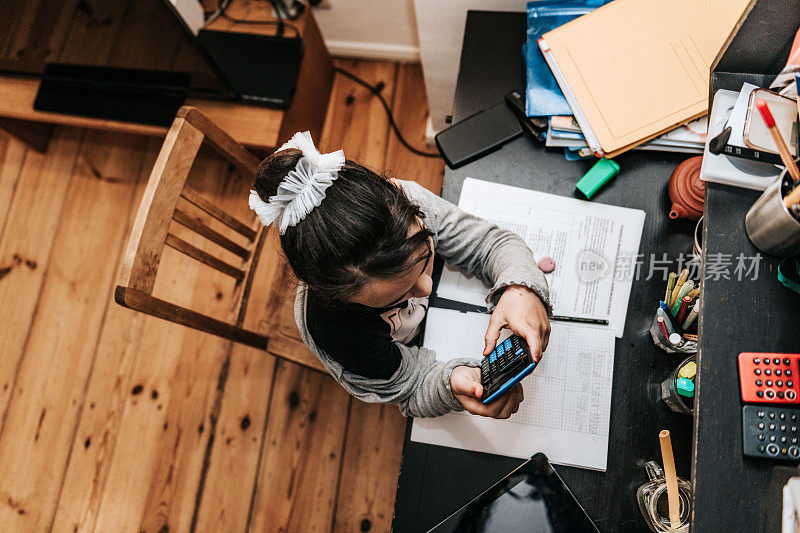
(496, 256)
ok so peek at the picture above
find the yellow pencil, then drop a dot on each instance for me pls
(678, 286)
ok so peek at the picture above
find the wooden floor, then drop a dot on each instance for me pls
(113, 421)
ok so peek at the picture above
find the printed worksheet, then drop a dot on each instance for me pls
(595, 248)
(567, 405)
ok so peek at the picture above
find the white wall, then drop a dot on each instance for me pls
(382, 29)
(440, 24)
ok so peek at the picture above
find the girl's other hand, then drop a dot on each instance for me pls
(465, 383)
(522, 311)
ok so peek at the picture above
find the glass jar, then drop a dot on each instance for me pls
(653, 502)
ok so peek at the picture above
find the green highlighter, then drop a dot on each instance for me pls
(601, 173)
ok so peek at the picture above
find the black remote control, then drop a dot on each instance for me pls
(771, 432)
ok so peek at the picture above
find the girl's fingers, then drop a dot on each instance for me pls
(492, 333)
(531, 335)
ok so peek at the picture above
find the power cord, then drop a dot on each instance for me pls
(222, 7)
(376, 90)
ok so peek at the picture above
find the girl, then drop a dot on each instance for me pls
(362, 247)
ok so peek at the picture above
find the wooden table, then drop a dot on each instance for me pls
(435, 481)
(258, 127)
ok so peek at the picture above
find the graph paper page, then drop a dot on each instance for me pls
(567, 403)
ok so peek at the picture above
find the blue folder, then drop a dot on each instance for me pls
(543, 96)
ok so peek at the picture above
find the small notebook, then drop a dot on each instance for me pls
(634, 69)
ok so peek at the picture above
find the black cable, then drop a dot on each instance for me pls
(377, 92)
(280, 23)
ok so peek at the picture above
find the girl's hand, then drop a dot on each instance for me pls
(522, 311)
(465, 383)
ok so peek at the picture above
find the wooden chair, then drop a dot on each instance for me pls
(151, 232)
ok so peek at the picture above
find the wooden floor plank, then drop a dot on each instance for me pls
(12, 157)
(48, 393)
(233, 464)
(370, 468)
(411, 115)
(356, 121)
(302, 452)
(109, 387)
(26, 244)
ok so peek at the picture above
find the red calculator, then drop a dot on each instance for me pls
(769, 377)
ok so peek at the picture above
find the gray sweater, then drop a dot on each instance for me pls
(421, 385)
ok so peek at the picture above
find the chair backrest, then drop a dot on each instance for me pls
(159, 207)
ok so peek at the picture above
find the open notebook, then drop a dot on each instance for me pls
(634, 69)
(567, 406)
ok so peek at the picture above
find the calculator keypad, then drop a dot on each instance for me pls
(771, 432)
(503, 361)
(769, 378)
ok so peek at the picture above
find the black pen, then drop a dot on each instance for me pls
(598, 321)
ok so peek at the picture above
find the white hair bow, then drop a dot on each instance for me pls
(303, 188)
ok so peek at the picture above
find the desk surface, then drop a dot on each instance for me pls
(435, 481)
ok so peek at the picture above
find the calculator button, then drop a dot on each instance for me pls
(771, 414)
(766, 360)
(769, 383)
(756, 360)
(779, 383)
(782, 416)
(772, 427)
(762, 448)
(784, 440)
(759, 383)
(519, 351)
(794, 451)
(787, 372)
(761, 425)
(770, 394)
(760, 393)
(761, 414)
(767, 371)
(793, 417)
(780, 394)
(761, 436)
(783, 428)
(777, 371)
(794, 440)
(772, 449)
(790, 384)
(772, 438)
(787, 361)
(790, 394)
(757, 371)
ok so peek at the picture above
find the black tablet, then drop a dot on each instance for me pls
(531, 498)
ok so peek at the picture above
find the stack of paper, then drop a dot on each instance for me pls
(564, 131)
(633, 70)
(567, 403)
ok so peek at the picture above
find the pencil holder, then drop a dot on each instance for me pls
(670, 394)
(684, 346)
(769, 224)
(652, 499)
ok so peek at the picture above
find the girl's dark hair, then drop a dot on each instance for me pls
(359, 232)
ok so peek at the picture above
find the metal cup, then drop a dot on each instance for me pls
(769, 224)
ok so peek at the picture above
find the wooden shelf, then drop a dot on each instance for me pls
(257, 127)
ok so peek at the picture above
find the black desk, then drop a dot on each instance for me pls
(435, 481)
(731, 493)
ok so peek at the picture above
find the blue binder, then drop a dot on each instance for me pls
(543, 96)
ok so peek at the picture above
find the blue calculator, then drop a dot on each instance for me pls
(510, 361)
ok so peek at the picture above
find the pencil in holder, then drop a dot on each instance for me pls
(676, 344)
(769, 224)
